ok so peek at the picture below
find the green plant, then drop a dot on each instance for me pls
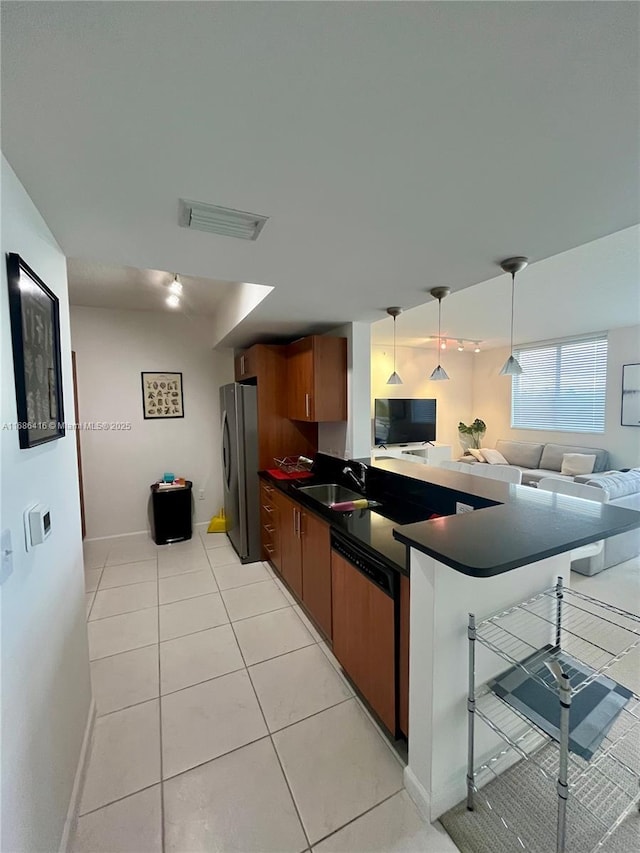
(475, 431)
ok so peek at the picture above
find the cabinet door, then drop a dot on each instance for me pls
(300, 380)
(364, 637)
(269, 528)
(247, 363)
(316, 570)
(289, 524)
(403, 657)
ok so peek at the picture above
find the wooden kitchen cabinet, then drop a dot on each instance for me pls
(317, 379)
(290, 541)
(403, 657)
(248, 362)
(269, 526)
(316, 570)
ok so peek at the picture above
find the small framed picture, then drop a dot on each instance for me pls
(162, 395)
(35, 336)
(630, 395)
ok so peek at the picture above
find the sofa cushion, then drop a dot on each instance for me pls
(578, 463)
(552, 456)
(618, 484)
(524, 454)
(534, 475)
(493, 457)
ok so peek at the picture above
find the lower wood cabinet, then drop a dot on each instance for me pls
(364, 637)
(403, 657)
(290, 541)
(316, 570)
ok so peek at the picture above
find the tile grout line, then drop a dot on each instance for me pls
(273, 746)
(358, 816)
(162, 838)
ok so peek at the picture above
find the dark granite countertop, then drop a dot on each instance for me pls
(511, 526)
(525, 525)
(368, 527)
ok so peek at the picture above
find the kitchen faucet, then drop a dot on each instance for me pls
(360, 481)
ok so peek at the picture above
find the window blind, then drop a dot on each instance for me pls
(562, 387)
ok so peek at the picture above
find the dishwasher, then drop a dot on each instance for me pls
(365, 594)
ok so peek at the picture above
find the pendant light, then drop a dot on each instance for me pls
(511, 367)
(394, 379)
(439, 293)
(176, 286)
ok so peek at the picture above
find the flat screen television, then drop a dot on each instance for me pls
(401, 421)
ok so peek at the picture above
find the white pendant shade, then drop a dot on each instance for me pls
(394, 379)
(511, 367)
(439, 373)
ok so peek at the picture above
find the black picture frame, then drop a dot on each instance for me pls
(165, 385)
(34, 313)
(630, 397)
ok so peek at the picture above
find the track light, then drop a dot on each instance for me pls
(477, 346)
(173, 301)
(460, 345)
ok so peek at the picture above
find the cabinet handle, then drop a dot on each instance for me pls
(267, 508)
(269, 549)
(295, 522)
(268, 489)
(269, 528)
(306, 405)
(242, 365)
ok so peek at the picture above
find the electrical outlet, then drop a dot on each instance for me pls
(201, 494)
(460, 508)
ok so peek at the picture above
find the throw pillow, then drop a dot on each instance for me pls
(477, 455)
(493, 457)
(574, 464)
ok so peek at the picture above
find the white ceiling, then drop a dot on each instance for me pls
(394, 146)
(104, 286)
(592, 288)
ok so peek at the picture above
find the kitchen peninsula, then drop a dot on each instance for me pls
(514, 543)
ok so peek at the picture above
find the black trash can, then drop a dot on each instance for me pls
(171, 513)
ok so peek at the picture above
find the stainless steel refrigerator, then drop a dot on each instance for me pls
(239, 421)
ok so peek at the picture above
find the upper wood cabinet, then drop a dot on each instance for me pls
(248, 363)
(317, 379)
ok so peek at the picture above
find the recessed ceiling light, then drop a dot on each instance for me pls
(173, 301)
(176, 286)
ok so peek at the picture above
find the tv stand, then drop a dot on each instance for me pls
(427, 452)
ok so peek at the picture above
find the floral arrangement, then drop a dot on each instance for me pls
(472, 434)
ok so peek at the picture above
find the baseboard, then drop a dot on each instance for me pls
(74, 803)
(418, 794)
(116, 536)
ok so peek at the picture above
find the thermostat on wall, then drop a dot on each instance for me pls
(37, 524)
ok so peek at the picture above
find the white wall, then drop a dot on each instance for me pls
(352, 439)
(46, 689)
(492, 403)
(112, 349)
(415, 364)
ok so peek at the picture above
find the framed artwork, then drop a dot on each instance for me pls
(35, 337)
(162, 395)
(630, 395)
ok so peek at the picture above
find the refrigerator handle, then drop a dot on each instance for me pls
(225, 458)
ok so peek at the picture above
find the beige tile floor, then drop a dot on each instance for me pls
(224, 723)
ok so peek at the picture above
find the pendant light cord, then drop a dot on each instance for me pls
(513, 298)
(439, 336)
(394, 344)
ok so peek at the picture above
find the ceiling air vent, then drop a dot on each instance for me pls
(220, 220)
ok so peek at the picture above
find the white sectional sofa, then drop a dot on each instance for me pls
(543, 460)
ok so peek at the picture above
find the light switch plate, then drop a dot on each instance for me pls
(6, 552)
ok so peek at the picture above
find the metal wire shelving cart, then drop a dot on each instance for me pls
(555, 628)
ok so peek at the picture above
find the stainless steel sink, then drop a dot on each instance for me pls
(331, 493)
